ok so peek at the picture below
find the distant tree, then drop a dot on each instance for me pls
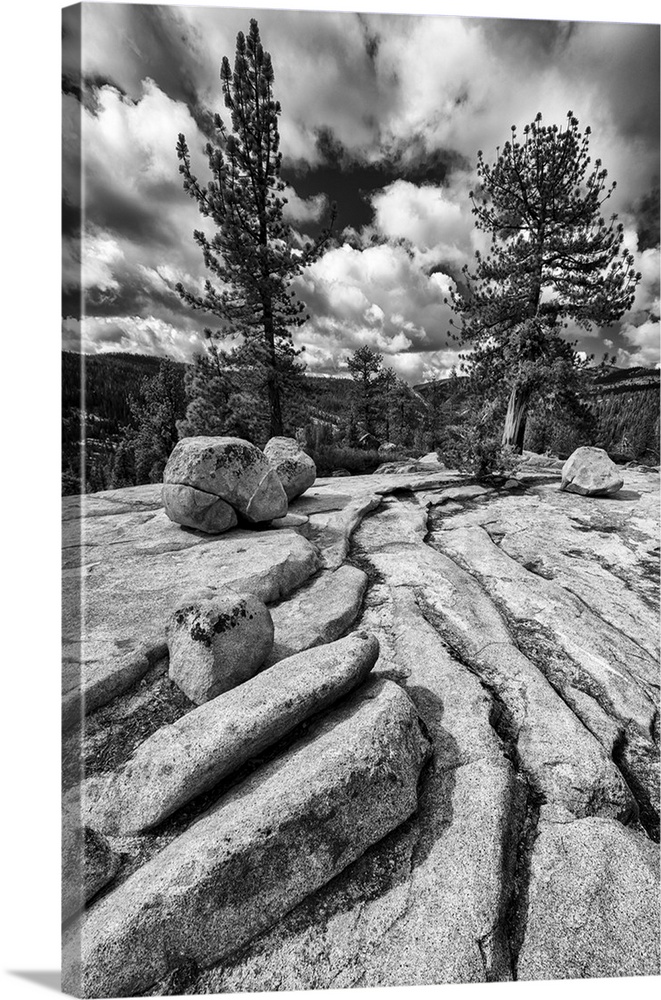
(365, 368)
(387, 389)
(223, 397)
(145, 447)
(254, 253)
(553, 259)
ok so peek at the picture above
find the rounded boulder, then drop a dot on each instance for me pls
(590, 473)
(229, 468)
(195, 509)
(294, 468)
(217, 643)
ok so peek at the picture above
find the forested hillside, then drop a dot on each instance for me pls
(624, 403)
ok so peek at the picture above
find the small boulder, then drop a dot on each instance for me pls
(195, 509)
(590, 473)
(217, 643)
(229, 468)
(431, 459)
(295, 469)
(340, 473)
(387, 448)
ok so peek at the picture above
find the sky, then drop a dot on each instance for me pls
(382, 114)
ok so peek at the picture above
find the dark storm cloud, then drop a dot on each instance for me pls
(131, 218)
(532, 40)
(647, 212)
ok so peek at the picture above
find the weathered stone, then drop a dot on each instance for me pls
(425, 905)
(296, 470)
(88, 861)
(195, 509)
(590, 472)
(232, 469)
(507, 690)
(569, 766)
(340, 473)
(218, 643)
(593, 903)
(273, 840)
(606, 657)
(128, 555)
(387, 448)
(331, 531)
(599, 549)
(318, 613)
(185, 759)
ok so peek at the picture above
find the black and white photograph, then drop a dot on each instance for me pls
(360, 499)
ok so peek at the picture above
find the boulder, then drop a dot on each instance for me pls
(387, 448)
(196, 509)
(217, 643)
(591, 473)
(431, 459)
(274, 839)
(229, 468)
(190, 756)
(339, 473)
(295, 469)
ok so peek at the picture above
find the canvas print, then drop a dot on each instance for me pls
(360, 500)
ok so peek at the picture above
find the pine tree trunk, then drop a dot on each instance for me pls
(275, 410)
(515, 420)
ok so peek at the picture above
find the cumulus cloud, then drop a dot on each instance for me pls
(151, 335)
(436, 220)
(376, 296)
(304, 210)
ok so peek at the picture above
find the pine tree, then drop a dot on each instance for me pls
(147, 441)
(553, 259)
(253, 254)
(222, 389)
(365, 369)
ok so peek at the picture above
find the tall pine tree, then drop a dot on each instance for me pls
(253, 254)
(553, 259)
(365, 367)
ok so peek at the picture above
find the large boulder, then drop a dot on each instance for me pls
(217, 643)
(590, 473)
(225, 467)
(295, 470)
